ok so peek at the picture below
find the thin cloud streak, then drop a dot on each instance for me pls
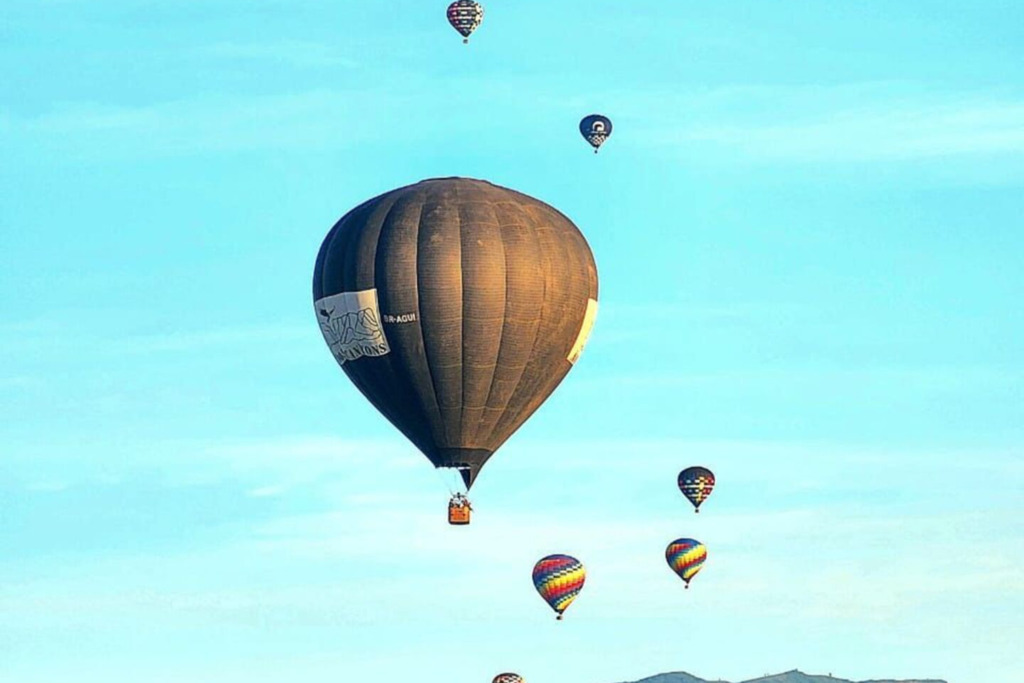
(59, 337)
(855, 575)
(878, 134)
(857, 123)
(299, 54)
(848, 124)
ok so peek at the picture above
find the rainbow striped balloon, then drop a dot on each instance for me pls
(558, 579)
(686, 557)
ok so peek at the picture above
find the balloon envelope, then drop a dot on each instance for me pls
(508, 678)
(696, 483)
(456, 307)
(686, 557)
(595, 129)
(465, 16)
(559, 579)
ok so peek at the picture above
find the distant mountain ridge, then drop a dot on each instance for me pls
(794, 676)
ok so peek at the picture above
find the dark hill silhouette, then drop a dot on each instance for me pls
(793, 676)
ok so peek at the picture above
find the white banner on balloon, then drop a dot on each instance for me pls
(351, 325)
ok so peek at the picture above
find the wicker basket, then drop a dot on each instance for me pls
(458, 511)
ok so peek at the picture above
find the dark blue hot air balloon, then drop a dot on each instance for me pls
(595, 129)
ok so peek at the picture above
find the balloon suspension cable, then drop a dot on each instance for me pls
(447, 481)
(453, 480)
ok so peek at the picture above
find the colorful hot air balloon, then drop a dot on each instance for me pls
(508, 678)
(686, 556)
(456, 307)
(558, 579)
(596, 129)
(465, 16)
(696, 483)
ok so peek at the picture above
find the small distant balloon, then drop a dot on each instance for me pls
(508, 678)
(559, 579)
(595, 129)
(686, 557)
(465, 16)
(696, 483)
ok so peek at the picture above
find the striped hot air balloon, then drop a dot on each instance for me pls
(686, 557)
(508, 678)
(696, 483)
(465, 16)
(559, 579)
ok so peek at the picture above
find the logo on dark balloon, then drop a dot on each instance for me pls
(597, 134)
(350, 323)
(400, 319)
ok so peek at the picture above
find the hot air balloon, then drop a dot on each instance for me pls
(696, 483)
(559, 579)
(465, 16)
(596, 129)
(686, 557)
(456, 307)
(508, 678)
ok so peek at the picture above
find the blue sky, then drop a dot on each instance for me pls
(809, 237)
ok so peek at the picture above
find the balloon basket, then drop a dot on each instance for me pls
(458, 511)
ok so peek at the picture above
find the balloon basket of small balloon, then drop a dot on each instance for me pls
(458, 511)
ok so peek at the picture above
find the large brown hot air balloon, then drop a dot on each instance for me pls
(456, 307)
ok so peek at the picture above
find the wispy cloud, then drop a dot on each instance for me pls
(876, 134)
(319, 120)
(52, 336)
(855, 123)
(212, 124)
(298, 54)
(20, 382)
(833, 562)
(48, 486)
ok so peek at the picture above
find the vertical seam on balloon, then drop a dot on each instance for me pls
(337, 230)
(423, 337)
(501, 330)
(419, 316)
(393, 374)
(499, 410)
(590, 260)
(540, 398)
(362, 383)
(462, 316)
(340, 229)
(536, 331)
(318, 266)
